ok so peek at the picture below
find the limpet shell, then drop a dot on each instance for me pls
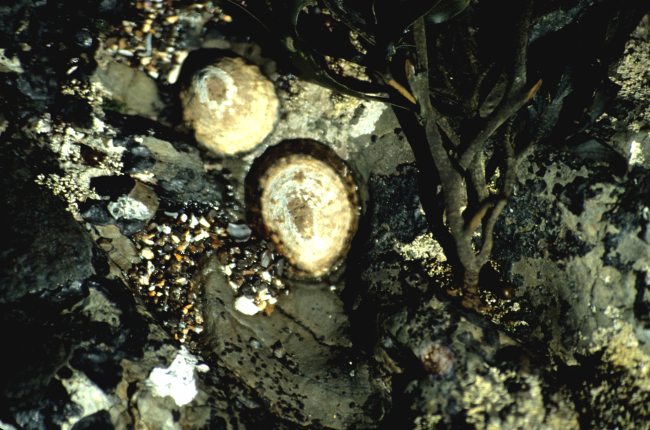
(302, 196)
(230, 105)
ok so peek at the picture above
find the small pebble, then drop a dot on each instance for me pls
(507, 291)
(279, 351)
(246, 305)
(267, 256)
(437, 360)
(239, 232)
(147, 253)
(204, 222)
(280, 267)
(193, 221)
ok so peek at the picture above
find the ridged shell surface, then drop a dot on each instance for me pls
(231, 106)
(308, 207)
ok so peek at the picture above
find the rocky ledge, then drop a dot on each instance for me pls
(135, 293)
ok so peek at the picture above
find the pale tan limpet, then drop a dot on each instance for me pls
(231, 106)
(302, 196)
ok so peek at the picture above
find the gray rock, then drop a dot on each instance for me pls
(44, 247)
(493, 382)
(288, 360)
(134, 88)
(178, 174)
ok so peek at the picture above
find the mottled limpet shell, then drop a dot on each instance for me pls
(230, 105)
(302, 196)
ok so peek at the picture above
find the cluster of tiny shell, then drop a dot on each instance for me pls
(170, 247)
(68, 188)
(72, 144)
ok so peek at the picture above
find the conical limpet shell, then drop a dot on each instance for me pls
(230, 106)
(302, 196)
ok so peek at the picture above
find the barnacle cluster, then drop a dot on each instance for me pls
(68, 187)
(81, 153)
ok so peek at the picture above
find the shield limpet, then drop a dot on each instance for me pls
(230, 105)
(302, 196)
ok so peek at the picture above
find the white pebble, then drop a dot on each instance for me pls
(203, 235)
(193, 221)
(246, 305)
(165, 229)
(173, 74)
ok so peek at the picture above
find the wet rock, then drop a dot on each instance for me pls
(30, 367)
(132, 87)
(96, 212)
(39, 233)
(397, 215)
(577, 247)
(48, 68)
(382, 150)
(573, 241)
(491, 383)
(112, 186)
(99, 420)
(178, 171)
(108, 231)
(9, 64)
(55, 408)
(46, 256)
(74, 345)
(119, 334)
(81, 348)
(293, 369)
(320, 310)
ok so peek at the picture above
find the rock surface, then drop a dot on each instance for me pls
(89, 343)
(293, 356)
